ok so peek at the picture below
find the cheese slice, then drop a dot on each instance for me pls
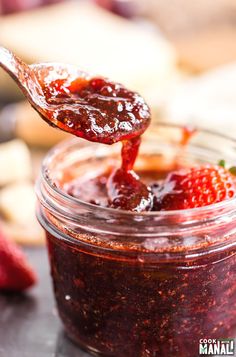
(33, 235)
(17, 203)
(15, 162)
(17, 210)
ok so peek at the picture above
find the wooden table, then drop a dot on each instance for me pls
(29, 325)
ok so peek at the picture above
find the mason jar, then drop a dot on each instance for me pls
(150, 284)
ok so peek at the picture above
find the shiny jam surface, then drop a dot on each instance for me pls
(97, 190)
(96, 109)
(102, 111)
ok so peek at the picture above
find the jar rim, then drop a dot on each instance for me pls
(183, 212)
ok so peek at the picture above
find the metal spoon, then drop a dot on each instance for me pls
(29, 77)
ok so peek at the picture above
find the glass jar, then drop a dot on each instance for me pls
(146, 284)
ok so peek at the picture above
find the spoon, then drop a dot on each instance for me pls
(24, 76)
(93, 108)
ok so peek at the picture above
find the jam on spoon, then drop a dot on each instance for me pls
(92, 108)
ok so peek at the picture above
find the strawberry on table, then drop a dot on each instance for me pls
(195, 187)
(15, 272)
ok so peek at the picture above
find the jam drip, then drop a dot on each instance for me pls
(106, 112)
(127, 192)
(129, 152)
(125, 189)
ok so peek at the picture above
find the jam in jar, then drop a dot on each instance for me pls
(138, 283)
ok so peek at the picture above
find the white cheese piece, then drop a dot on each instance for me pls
(30, 235)
(17, 211)
(17, 203)
(15, 162)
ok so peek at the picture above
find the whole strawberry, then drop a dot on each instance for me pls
(195, 187)
(15, 272)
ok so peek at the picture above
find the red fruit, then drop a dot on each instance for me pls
(195, 187)
(15, 272)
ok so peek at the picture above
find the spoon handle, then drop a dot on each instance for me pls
(16, 68)
(23, 75)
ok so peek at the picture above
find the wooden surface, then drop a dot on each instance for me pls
(29, 325)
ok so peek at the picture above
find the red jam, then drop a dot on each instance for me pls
(102, 111)
(149, 299)
(96, 109)
(130, 294)
(126, 306)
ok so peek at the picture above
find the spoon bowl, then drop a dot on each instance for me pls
(93, 108)
(32, 78)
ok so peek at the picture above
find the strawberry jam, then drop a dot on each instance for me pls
(132, 277)
(102, 111)
(96, 109)
(134, 284)
(142, 303)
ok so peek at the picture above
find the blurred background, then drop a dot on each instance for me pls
(179, 54)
